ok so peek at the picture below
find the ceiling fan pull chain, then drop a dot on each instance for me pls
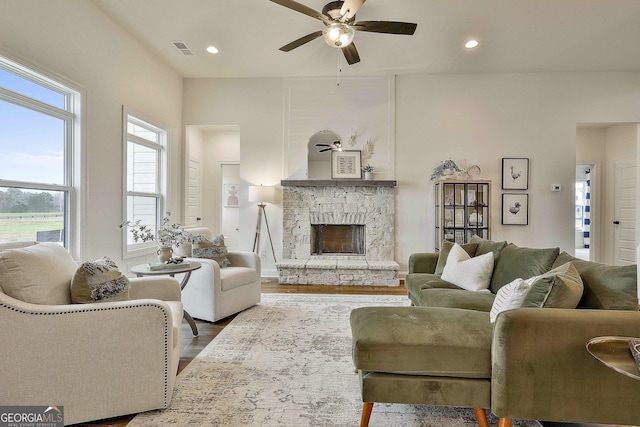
(339, 69)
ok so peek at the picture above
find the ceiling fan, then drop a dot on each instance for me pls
(334, 146)
(339, 18)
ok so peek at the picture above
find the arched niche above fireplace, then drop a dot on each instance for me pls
(319, 164)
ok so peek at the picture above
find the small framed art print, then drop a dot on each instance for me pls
(346, 164)
(515, 174)
(515, 209)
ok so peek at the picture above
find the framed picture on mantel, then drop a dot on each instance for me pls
(346, 164)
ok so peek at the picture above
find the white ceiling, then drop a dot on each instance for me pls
(515, 36)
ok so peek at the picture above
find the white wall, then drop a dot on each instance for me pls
(358, 110)
(77, 40)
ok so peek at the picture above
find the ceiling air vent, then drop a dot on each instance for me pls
(182, 47)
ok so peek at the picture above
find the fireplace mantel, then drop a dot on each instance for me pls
(338, 183)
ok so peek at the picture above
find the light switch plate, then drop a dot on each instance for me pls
(556, 187)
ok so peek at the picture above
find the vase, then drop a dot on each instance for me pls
(164, 253)
(368, 175)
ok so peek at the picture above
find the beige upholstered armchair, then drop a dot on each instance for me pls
(97, 360)
(214, 293)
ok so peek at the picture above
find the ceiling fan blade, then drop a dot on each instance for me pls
(302, 40)
(325, 149)
(323, 145)
(351, 54)
(349, 9)
(388, 27)
(303, 9)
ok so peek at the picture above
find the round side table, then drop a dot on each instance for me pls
(144, 270)
(614, 353)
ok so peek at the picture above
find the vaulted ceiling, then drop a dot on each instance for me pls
(514, 35)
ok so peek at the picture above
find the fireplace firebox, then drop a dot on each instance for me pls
(330, 239)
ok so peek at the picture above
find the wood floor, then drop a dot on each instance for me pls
(191, 345)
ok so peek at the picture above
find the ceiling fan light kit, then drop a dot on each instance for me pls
(338, 35)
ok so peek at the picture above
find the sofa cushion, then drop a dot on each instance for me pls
(606, 287)
(214, 249)
(99, 281)
(233, 277)
(38, 274)
(416, 282)
(454, 298)
(470, 248)
(558, 288)
(486, 246)
(515, 262)
(473, 274)
(422, 341)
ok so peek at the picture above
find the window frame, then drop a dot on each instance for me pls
(74, 131)
(141, 249)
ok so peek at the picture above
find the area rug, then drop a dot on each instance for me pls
(287, 362)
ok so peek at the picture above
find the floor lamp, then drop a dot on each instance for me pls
(262, 195)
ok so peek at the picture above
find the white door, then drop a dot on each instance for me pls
(230, 215)
(194, 193)
(624, 221)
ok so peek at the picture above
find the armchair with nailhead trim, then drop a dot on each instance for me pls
(98, 360)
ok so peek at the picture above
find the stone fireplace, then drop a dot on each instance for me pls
(338, 232)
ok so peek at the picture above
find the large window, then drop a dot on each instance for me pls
(39, 129)
(145, 177)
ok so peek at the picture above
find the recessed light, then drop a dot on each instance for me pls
(212, 49)
(471, 44)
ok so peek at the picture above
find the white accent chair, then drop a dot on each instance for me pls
(97, 360)
(214, 293)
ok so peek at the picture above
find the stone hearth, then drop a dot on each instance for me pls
(339, 202)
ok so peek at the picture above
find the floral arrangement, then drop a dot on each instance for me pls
(445, 168)
(368, 168)
(169, 234)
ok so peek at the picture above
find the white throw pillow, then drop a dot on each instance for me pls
(472, 274)
(510, 296)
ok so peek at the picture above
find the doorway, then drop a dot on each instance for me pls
(584, 214)
(230, 212)
(212, 180)
(624, 217)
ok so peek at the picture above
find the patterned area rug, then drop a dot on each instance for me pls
(287, 362)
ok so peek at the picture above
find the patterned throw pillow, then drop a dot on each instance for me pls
(211, 249)
(510, 296)
(99, 281)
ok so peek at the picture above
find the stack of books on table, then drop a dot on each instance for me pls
(153, 266)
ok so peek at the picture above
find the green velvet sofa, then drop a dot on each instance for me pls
(532, 363)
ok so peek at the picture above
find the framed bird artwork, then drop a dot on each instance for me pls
(515, 209)
(515, 173)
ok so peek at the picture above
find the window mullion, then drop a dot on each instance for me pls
(34, 185)
(34, 104)
(149, 144)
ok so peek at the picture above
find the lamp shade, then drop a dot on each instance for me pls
(261, 194)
